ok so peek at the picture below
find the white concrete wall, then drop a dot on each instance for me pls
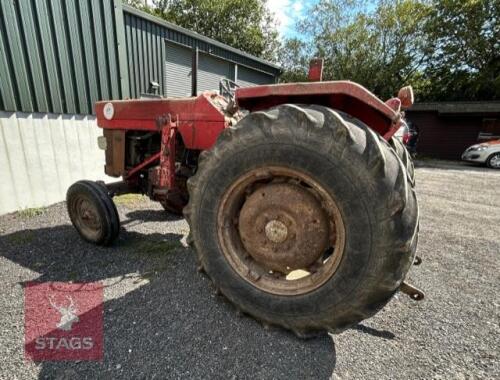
(41, 155)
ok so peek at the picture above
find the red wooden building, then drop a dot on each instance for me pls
(447, 129)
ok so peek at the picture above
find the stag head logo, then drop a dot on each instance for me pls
(68, 314)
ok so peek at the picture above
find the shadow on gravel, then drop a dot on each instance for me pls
(151, 216)
(374, 332)
(173, 326)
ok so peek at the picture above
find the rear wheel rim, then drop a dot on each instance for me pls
(291, 245)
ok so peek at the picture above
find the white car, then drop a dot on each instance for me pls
(485, 153)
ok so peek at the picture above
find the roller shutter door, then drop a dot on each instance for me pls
(248, 77)
(211, 70)
(178, 63)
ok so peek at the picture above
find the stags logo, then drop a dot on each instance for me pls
(63, 321)
(68, 316)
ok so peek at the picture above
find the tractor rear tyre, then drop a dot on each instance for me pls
(405, 158)
(394, 142)
(93, 212)
(303, 219)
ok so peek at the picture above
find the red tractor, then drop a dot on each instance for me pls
(301, 205)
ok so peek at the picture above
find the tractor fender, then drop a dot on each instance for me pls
(345, 96)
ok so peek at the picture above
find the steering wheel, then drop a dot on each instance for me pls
(227, 88)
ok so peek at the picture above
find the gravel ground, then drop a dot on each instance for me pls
(163, 319)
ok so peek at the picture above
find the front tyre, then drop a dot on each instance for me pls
(303, 219)
(93, 212)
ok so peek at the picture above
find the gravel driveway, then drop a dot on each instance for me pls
(163, 319)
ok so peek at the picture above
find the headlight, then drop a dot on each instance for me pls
(475, 148)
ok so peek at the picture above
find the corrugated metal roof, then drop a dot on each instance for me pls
(179, 34)
(62, 56)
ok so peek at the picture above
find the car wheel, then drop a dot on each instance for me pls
(493, 161)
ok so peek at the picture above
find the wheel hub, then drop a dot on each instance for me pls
(283, 227)
(89, 215)
(276, 231)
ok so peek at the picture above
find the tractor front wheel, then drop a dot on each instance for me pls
(93, 212)
(303, 219)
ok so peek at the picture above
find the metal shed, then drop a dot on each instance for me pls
(177, 73)
(62, 56)
(58, 57)
(446, 129)
(153, 45)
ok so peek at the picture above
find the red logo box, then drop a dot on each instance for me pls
(63, 321)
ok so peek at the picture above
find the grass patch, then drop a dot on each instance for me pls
(20, 238)
(155, 253)
(129, 199)
(154, 248)
(28, 213)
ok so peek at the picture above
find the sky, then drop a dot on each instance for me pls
(287, 13)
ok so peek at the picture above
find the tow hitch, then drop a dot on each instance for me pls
(413, 292)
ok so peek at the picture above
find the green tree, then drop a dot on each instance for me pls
(139, 4)
(447, 49)
(294, 57)
(464, 63)
(381, 49)
(244, 24)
